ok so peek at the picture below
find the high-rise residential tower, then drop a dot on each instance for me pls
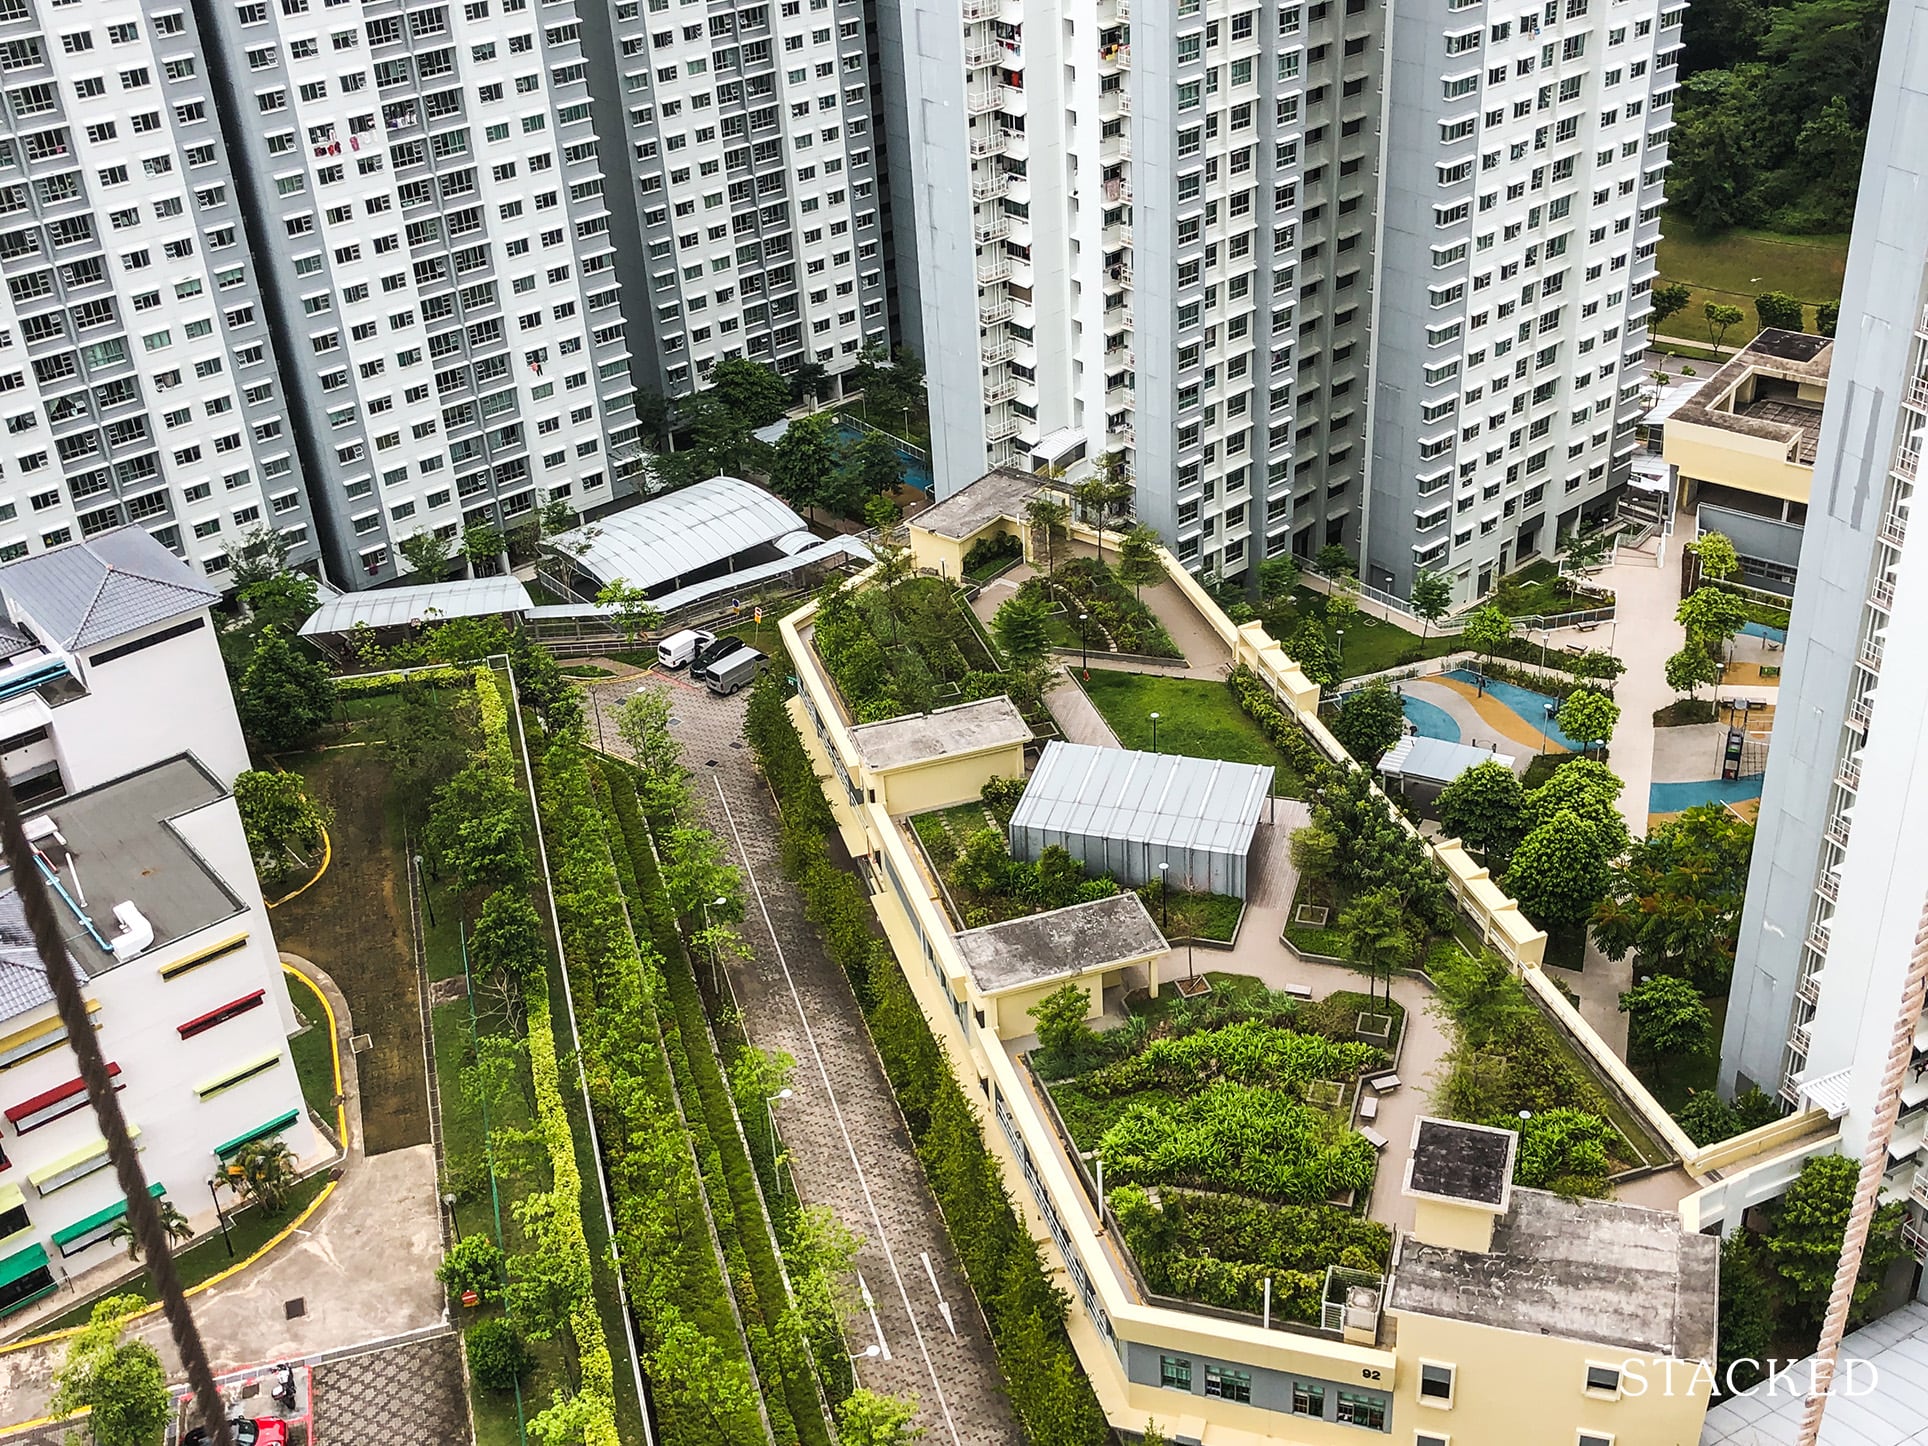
(426, 194)
(1321, 283)
(752, 227)
(1839, 875)
(138, 378)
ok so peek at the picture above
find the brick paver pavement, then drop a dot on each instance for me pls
(846, 1139)
(408, 1395)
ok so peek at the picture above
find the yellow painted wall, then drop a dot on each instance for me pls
(946, 554)
(1752, 464)
(920, 787)
(1529, 1390)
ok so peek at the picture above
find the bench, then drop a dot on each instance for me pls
(1368, 1108)
(1385, 1084)
(1373, 1137)
(1299, 991)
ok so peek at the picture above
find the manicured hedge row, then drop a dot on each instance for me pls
(375, 685)
(1054, 1400)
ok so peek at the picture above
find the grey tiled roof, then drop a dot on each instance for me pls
(23, 978)
(104, 587)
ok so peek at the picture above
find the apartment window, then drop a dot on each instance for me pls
(1435, 1384)
(1603, 1379)
(1308, 1399)
(1175, 1373)
(1361, 1410)
(1224, 1382)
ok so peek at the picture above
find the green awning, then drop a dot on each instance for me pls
(273, 1127)
(93, 1222)
(33, 1258)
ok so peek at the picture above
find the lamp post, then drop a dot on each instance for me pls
(1154, 733)
(770, 1109)
(1546, 724)
(422, 884)
(1164, 893)
(218, 1215)
(716, 987)
(455, 1223)
(1084, 650)
(1341, 633)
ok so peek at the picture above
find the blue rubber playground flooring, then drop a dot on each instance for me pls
(1430, 720)
(1762, 630)
(1678, 797)
(1528, 706)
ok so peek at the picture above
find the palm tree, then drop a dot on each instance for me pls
(263, 1171)
(1047, 518)
(172, 1221)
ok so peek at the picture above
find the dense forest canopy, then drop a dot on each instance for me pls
(1772, 112)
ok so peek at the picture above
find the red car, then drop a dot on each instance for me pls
(262, 1431)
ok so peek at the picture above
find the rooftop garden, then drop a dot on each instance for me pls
(1197, 717)
(1116, 620)
(1224, 1132)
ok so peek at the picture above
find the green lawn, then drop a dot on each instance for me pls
(1195, 717)
(1539, 591)
(1737, 266)
(1202, 916)
(313, 1050)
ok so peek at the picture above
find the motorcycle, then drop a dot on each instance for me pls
(283, 1392)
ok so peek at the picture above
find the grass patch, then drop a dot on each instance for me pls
(313, 1048)
(1684, 711)
(1197, 718)
(1673, 1078)
(1201, 916)
(1736, 266)
(1539, 589)
(247, 1227)
(585, 670)
(1372, 645)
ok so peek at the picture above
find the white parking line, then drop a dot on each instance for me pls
(830, 1093)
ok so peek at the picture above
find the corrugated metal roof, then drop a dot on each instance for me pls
(1435, 760)
(1155, 798)
(104, 587)
(394, 607)
(679, 533)
(1879, 1384)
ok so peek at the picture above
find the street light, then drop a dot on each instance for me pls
(455, 1225)
(1164, 892)
(422, 884)
(1546, 724)
(1154, 733)
(1084, 652)
(770, 1109)
(1342, 643)
(225, 1239)
(716, 987)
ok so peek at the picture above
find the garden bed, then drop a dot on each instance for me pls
(1118, 619)
(1540, 590)
(1197, 718)
(1683, 712)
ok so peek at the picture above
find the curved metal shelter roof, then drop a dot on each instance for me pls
(679, 533)
(396, 607)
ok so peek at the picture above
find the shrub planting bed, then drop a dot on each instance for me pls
(1116, 617)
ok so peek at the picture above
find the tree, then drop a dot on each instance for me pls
(1377, 934)
(629, 608)
(1315, 852)
(283, 697)
(642, 723)
(1484, 808)
(874, 465)
(1486, 629)
(1804, 1238)
(1597, 665)
(121, 1384)
(498, 1356)
(1588, 718)
(1667, 1018)
(866, 1418)
(1827, 316)
(1431, 597)
(1334, 561)
(754, 395)
(281, 600)
(1586, 552)
(475, 828)
(1138, 562)
(1049, 521)
(1023, 630)
(1588, 789)
(278, 818)
(1669, 299)
(1675, 899)
(172, 1221)
(552, 1271)
(1312, 651)
(1278, 576)
(1342, 601)
(1559, 872)
(1711, 616)
(1062, 1031)
(472, 1263)
(806, 382)
(1692, 668)
(506, 942)
(426, 552)
(693, 1372)
(260, 554)
(1720, 316)
(697, 873)
(804, 461)
(1718, 558)
(567, 1420)
(1370, 721)
(482, 545)
(1777, 308)
(263, 1171)
(1746, 1321)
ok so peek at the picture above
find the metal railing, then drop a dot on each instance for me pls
(987, 143)
(993, 269)
(976, 57)
(994, 229)
(978, 102)
(999, 348)
(989, 188)
(993, 310)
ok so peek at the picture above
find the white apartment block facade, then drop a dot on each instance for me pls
(138, 381)
(757, 215)
(1525, 160)
(1215, 237)
(428, 191)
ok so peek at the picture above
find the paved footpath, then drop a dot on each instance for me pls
(847, 1142)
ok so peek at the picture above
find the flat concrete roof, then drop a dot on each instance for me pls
(1454, 1161)
(122, 838)
(945, 733)
(1789, 356)
(970, 510)
(1588, 1270)
(1062, 943)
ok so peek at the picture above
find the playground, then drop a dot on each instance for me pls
(1459, 707)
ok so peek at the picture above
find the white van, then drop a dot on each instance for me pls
(678, 648)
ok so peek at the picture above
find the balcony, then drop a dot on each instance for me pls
(979, 56)
(1870, 656)
(999, 348)
(1861, 714)
(1126, 434)
(1000, 426)
(1848, 774)
(1113, 103)
(1908, 464)
(1117, 190)
(993, 269)
(1112, 149)
(979, 9)
(1894, 530)
(994, 309)
(992, 228)
(978, 102)
(1809, 991)
(1918, 394)
(986, 143)
(989, 188)
(1837, 829)
(1918, 1190)
(1000, 388)
(1829, 888)
(1113, 57)
(1882, 595)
